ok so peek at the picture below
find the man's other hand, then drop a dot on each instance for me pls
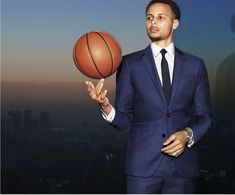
(175, 144)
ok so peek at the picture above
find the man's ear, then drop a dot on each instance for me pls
(176, 24)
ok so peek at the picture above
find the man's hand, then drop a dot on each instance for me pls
(99, 95)
(175, 144)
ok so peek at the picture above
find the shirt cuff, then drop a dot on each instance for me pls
(109, 118)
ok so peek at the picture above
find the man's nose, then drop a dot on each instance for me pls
(154, 21)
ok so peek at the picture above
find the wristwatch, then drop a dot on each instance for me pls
(189, 136)
(189, 132)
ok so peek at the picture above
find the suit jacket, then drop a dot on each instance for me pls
(141, 107)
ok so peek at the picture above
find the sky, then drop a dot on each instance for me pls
(37, 38)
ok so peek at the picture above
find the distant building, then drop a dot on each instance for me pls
(7, 123)
(17, 119)
(27, 119)
(44, 120)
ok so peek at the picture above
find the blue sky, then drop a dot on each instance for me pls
(38, 35)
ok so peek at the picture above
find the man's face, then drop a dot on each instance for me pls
(160, 22)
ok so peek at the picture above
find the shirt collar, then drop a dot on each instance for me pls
(156, 49)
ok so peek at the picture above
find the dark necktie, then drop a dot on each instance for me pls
(166, 82)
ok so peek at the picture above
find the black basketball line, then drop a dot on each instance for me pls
(87, 42)
(75, 58)
(110, 53)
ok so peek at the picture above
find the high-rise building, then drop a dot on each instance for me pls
(17, 117)
(27, 118)
(44, 119)
(7, 123)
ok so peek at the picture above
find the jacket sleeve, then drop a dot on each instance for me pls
(202, 115)
(124, 98)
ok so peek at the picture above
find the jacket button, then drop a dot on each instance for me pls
(168, 115)
(163, 135)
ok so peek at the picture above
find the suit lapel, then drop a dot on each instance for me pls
(179, 61)
(150, 67)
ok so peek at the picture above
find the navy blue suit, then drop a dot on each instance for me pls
(142, 109)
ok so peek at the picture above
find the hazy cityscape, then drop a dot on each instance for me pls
(41, 157)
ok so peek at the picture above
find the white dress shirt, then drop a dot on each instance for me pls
(170, 57)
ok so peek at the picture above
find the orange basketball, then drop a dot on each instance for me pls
(97, 54)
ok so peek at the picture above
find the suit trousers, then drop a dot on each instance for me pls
(164, 181)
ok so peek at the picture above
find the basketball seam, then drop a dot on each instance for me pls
(108, 49)
(92, 56)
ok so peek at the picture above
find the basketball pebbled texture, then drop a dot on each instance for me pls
(97, 54)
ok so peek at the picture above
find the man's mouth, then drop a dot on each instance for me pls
(154, 29)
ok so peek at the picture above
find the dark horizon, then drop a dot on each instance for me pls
(65, 133)
(83, 158)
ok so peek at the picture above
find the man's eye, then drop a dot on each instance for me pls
(149, 18)
(162, 18)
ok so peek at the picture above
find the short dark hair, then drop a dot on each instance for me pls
(173, 5)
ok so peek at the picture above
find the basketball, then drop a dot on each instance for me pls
(97, 54)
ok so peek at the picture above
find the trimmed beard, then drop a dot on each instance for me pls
(154, 39)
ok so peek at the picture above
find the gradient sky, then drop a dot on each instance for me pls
(37, 38)
(38, 35)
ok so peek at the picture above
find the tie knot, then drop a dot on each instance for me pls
(163, 52)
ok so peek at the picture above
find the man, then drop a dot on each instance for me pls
(163, 99)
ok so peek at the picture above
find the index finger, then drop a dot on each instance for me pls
(171, 146)
(169, 140)
(100, 82)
